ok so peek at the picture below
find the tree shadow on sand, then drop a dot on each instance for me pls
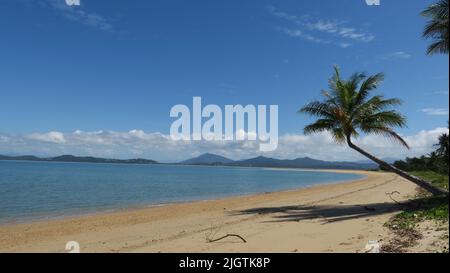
(330, 213)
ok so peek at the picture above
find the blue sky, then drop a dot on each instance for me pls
(117, 66)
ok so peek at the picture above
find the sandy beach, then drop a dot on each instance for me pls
(327, 218)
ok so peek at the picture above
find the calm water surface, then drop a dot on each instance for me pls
(40, 190)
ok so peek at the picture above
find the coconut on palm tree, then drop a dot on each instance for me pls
(437, 27)
(348, 108)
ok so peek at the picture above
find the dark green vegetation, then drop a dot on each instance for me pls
(433, 167)
(423, 163)
(437, 27)
(440, 180)
(349, 108)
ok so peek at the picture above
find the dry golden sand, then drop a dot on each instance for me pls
(328, 218)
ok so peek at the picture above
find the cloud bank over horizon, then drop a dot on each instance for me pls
(160, 147)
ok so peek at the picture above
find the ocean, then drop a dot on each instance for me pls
(45, 190)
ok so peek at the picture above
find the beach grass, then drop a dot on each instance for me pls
(435, 178)
(431, 208)
(425, 208)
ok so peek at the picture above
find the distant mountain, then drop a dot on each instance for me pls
(389, 160)
(304, 162)
(212, 160)
(72, 158)
(21, 157)
(261, 161)
(207, 159)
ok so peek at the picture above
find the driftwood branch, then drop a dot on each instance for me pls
(390, 196)
(228, 235)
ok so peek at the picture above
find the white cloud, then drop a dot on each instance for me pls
(52, 137)
(420, 143)
(345, 45)
(397, 55)
(435, 111)
(74, 13)
(335, 29)
(297, 33)
(308, 28)
(158, 146)
(281, 14)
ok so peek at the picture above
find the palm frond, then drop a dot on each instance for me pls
(377, 103)
(385, 118)
(387, 132)
(439, 9)
(369, 84)
(319, 126)
(438, 47)
(338, 135)
(355, 81)
(437, 27)
(318, 109)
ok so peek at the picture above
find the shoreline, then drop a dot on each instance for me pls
(183, 226)
(71, 214)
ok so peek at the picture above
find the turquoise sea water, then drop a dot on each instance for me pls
(40, 190)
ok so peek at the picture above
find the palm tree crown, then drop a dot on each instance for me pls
(348, 108)
(437, 27)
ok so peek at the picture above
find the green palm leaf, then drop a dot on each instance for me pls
(436, 28)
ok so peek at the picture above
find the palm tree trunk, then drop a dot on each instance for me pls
(420, 182)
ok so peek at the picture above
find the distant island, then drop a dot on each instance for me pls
(261, 161)
(81, 159)
(213, 160)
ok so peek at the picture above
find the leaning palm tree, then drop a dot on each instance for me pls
(348, 108)
(437, 27)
